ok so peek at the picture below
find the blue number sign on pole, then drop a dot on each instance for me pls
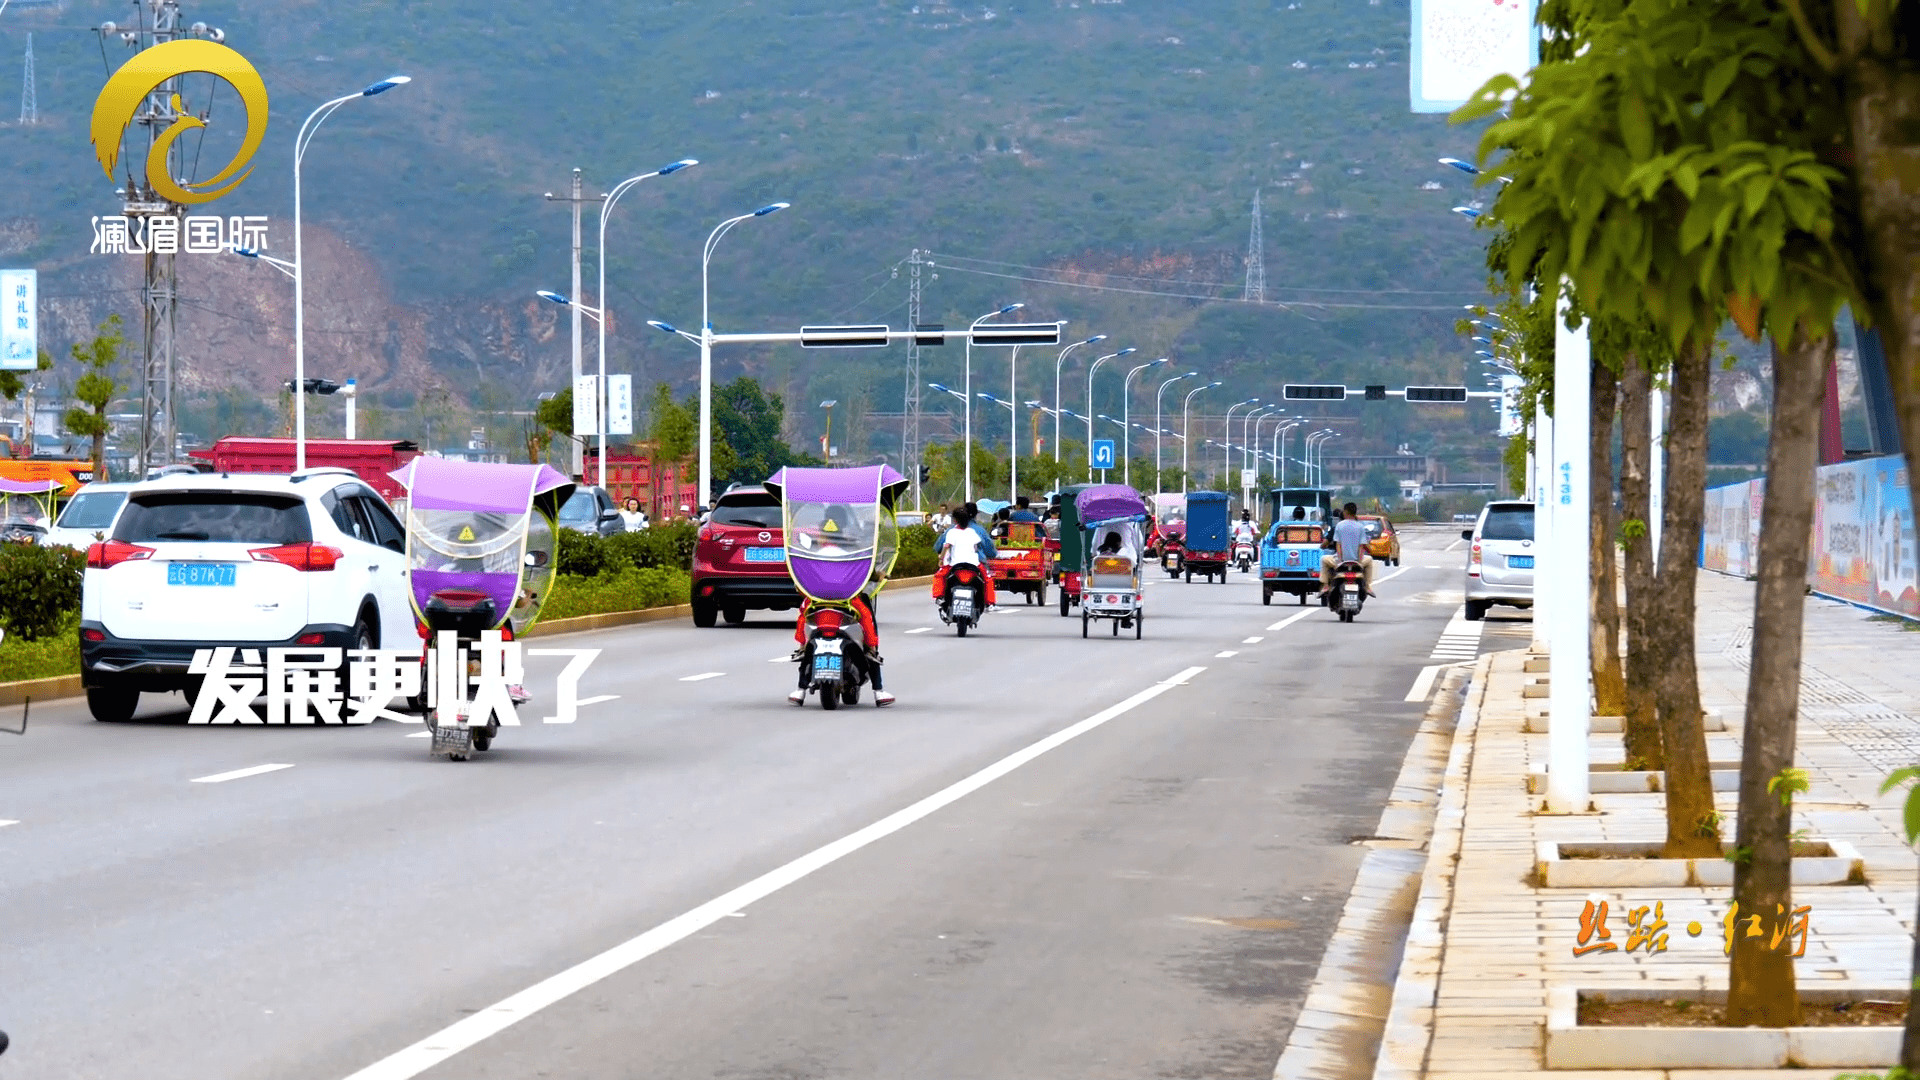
(1103, 453)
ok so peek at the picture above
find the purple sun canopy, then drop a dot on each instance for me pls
(866, 485)
(29, 487)
(1104, 504)
(440, 484)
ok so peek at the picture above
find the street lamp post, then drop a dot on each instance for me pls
(1057, 366)
(1247, 448)
(1276, 416)
(1091, 368)
(1158, 395)
(307, 131)
(705, 494)
(600, 297)
(966, 443)
(1226, 440)
(1126, 415)
(1280, 446)
(1186, 431)
(598, 315)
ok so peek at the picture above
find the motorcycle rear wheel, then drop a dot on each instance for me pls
(829, 697)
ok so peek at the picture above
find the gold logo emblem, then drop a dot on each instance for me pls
(114, 109)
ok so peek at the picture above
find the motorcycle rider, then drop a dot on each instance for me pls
(966, 542)
(1348, 540)
(834, 526)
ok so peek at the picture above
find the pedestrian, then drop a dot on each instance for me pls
(632, 516)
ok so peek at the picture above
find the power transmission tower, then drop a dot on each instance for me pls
(29, 106)
(159, 23)
(910, 422)
(1256, 290)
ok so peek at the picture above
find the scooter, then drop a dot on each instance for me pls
(966, 598)
(834, 662)
(1349, 592)
(1243, 555)
(466, 612)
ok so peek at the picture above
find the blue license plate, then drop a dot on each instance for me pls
(200, 574)
(826, 666)
(758, 554)
(1520, 562)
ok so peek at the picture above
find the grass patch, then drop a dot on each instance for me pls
(55, 654)
(1909, 625)
(631, 589)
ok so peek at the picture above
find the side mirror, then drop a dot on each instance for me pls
(1466, 534)
(536, 558)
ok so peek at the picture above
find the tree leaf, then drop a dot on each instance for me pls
(1720, 78)
(1745, 312)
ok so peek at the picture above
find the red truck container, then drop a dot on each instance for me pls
(370, 459)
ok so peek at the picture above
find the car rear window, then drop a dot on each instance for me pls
(1375, 527)
(222, 517)
(756, 511)
(1508, 523)
(91, 510)
(582, 508)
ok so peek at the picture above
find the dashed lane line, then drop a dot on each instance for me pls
(1289, 620)
(463, 1034)
(237, 774)
(595, 700)
(1224, 655)
(4, 822)
(917, 630)
(702, 676)
(1253, 641)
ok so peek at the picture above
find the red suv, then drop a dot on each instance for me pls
(741, 559)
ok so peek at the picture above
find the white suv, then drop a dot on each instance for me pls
(1500, 558)
(314, 560)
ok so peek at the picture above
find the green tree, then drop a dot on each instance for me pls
(95, 388)
(673, 427)
(1379, 484)
(748, 420)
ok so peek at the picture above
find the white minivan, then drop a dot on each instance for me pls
(88, 515)
(315, 559)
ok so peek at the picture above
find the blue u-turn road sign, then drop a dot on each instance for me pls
(1103, 453)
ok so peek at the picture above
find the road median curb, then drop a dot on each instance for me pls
(610, 619)
(59, 686)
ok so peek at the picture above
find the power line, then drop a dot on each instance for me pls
(1207, 284)
(1287, 305)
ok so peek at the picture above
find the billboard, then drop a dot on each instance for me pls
(1459, 44)
(20, 332)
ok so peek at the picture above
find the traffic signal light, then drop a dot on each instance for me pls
(1436, 393)
(1376, 393)
(1314, 392)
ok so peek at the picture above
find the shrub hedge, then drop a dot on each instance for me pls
(586, 555)
(39, 590)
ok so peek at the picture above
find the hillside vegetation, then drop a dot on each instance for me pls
(1118, 143)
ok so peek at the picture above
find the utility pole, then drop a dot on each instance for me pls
(159, 23)
(1256, 290)
(910, 422)
(576, 466)
(29, 106)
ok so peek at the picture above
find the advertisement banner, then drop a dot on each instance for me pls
(1863, 535)
(20, 329)
(1459, 44)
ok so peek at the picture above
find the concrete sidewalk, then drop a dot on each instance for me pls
(1487, 943)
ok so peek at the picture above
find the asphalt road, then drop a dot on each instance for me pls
(1148, 895)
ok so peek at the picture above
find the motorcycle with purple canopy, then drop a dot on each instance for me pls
(841, 543)
(480, 556)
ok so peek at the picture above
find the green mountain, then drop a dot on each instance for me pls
(1114, 144)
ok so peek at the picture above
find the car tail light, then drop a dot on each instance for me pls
(311, 639)
(90, 634)
(303, 556)
(114, 552)
(1473, 559)
(707, 532)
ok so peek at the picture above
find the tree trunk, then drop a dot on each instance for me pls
(1645, 749)
(1883, 118)
(1760, 980)
(1693, 830)
(1609, 677)
(100, 451)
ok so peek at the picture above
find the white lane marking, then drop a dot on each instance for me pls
(595, 700)
(462, 1034)
(4, 822)
(221, 778)
(918, 630)
(1290, 620)
(1252, 641)
(702, 675)
(418, 735)
(1453, 545)
(1431, 566)
(1224, 655)
(1393, 575)
(1423, 685)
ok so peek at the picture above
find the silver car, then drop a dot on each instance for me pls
(1500, 558)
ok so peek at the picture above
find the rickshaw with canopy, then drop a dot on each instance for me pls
(28, 509)
(480, 557)
(1113, 541)
(841, 541)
